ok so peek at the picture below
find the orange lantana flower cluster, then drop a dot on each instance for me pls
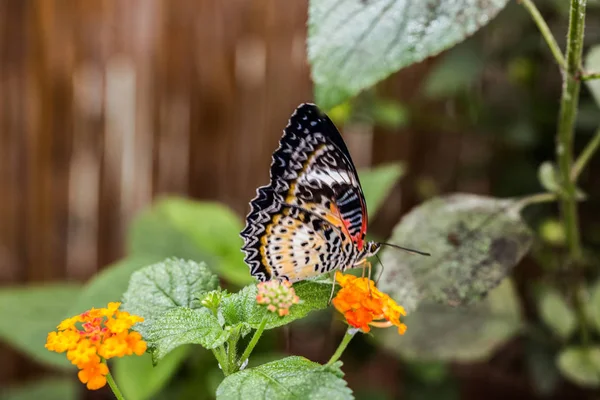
(363, 305)
(278, 296)
(95, 336)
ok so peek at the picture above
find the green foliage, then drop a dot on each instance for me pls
(594, 306)
(139, 379)
(474, 241)
(438, 332)
(199, 231)
(354, 44)
(292, 377)
(542, 367)
(29, 313)
(182, 325)
(47, 389)
(548, 176)
(556, 313)
(389, 113)
(164, 286)
(581, 365)
(457, 71)
(592, 64)
(377, 183)
(241, 307)
(109, 284)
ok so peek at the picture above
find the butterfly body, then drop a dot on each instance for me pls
(312, 217)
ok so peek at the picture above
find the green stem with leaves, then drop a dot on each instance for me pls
(566, 124)
(114, 387)
(344, 343)
(564, 149)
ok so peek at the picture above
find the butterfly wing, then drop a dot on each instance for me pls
(314, 193)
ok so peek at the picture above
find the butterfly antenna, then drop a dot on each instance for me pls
(406, 249)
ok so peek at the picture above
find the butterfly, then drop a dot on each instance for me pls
(312, 217)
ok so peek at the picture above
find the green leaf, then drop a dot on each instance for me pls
(47, 389)
(542, 367)
(455, 72)
(377, 183)
(183, 325)
(109, 284)
(581, 365)
(593, 306)
(200, 231)
(592, 64)
(556, 313)
(290, 378)
(354, 44)
(548, 177)
(389, 113)
(30, 313)
(160, 287)
(437, 332)
(138, 379)
(241, 307)
(474, 242)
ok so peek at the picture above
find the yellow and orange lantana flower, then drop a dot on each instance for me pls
(363, 305)
(95, 336)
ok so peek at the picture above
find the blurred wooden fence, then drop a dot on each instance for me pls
(105, 104)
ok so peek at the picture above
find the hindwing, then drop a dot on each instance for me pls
(312, 179)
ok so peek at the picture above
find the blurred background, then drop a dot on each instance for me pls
(106, 105)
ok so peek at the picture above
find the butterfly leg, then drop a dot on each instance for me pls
(332, 290)
(368, 265)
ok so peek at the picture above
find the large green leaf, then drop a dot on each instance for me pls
(469, 333)
(474, 242)
(29, 313)
(160, 287)
(200, 231)
(47, 389)
(109, 284)
(182, 325)
(581, 365)
(290, 378)
(241, 307)
(377, 183)
(139, 380)
(354, 44)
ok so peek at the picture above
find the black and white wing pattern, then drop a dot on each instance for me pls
(312, 217)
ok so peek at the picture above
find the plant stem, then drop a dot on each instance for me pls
(566, 123)
(221, 357)
(114, 387)
(536, 199)
(338, 353)
(254, 340)
(585, 156)
(564, 151)
(590, 76)
(232, 349)
(546, 33)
